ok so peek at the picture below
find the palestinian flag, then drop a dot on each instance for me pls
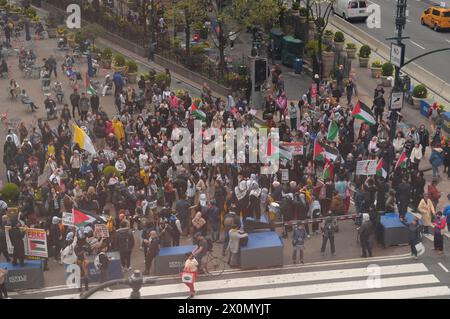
(198, 114)
(380, 170)
(328, 170)
(37, 245)
(285, 154)
(363, 112)
(333, 132)
(331, 153)
(82, 219)
(401, 161)
(318, 151)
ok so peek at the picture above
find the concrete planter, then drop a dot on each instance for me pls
(351, 53)
(376, 72)
(132, 78)
(386, 81)
(416, 102)
(106, 64)
(52, 33)
(328, 63)
(363, 62)
(302, 19)
(338, 45)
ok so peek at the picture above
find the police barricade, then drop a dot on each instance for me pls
(30, 276)
(264, 249)
(170, 260)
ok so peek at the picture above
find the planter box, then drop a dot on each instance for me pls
(363, 62)
(338, 45)
(385, 81)
(328, 63)
(416, 102)
(351, 53)
(376, 72)
(52, 33)
(132, 78)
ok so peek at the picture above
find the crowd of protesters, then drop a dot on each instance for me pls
(132, 183)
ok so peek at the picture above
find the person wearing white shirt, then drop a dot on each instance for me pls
(143, 158)
(416, 156)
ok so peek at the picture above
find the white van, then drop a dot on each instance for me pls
(351, 9)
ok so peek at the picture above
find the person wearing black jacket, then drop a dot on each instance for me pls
(365, 231)
(414, 234)
(95, 103)
(424, 138)
(16, 236)
(75, 101)
(102, 262)
(403, 197)
(152, 244)
(3, 245)
(125, 243)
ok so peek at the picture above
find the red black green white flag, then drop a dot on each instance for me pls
(198, 114)
(401, 162)
(322, 152)
(82, 219)
(318, 151)
(328, 170)
(380, 170)
(364, 113)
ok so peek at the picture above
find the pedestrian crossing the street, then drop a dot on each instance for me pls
(412, 280)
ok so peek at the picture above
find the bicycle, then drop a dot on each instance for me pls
(212, 265)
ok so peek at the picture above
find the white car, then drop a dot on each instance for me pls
(351, 9)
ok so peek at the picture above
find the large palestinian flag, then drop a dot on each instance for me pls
(328, 170)
(322, 152)
(363, 112)
(380, 170)
(82, 219)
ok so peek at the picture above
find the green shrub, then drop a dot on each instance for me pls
(295, 6)
(3, 3)
(10, 192)
(377, 64)
(119, 60)
(108, 171)
(339, 37)
(180, 93)
(388, 69)
(365, 51)
(198, 49)
(161, 79)
(351, 45)
(132, 66)
(107, 54)
(328, 33)
(80, 37)
(420, 91)
(303, 11)
(312, 47)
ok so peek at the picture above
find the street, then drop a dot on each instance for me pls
(422, 38)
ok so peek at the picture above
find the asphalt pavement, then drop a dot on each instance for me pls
(422, 38)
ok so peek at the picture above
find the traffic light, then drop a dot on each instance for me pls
(260, 71)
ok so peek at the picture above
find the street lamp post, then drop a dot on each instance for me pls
(397, 52)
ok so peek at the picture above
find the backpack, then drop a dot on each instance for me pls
(209, 244)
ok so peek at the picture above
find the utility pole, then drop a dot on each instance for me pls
(397, 59)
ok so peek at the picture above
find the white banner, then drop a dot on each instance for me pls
(368, 167)
(67, 219)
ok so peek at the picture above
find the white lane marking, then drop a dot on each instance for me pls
(415, 43)
(397, 294)
(443, 267)
(447, 40)
(304, 290)
(407, 20)
(258, 281)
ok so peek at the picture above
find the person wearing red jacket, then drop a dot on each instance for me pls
(439, 225)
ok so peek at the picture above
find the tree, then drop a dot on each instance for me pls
(190, 12)
(320, 12)
(92, 32)
(240, 15)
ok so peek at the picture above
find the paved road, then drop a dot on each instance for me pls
(422, 40)
(397, 277)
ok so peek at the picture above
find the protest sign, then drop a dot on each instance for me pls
(367, 167)
(67, 219)
(35, 242)
(101, 231)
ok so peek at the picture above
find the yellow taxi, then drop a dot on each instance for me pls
(436, 17)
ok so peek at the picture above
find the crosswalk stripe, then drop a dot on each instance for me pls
(397, 294)
(333, 287)
(302, 277)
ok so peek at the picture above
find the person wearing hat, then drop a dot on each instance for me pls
(241, 198)
(175, 228)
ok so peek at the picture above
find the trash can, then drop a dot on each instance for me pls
(298, 65)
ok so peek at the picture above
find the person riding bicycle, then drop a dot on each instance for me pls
(201, 250)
